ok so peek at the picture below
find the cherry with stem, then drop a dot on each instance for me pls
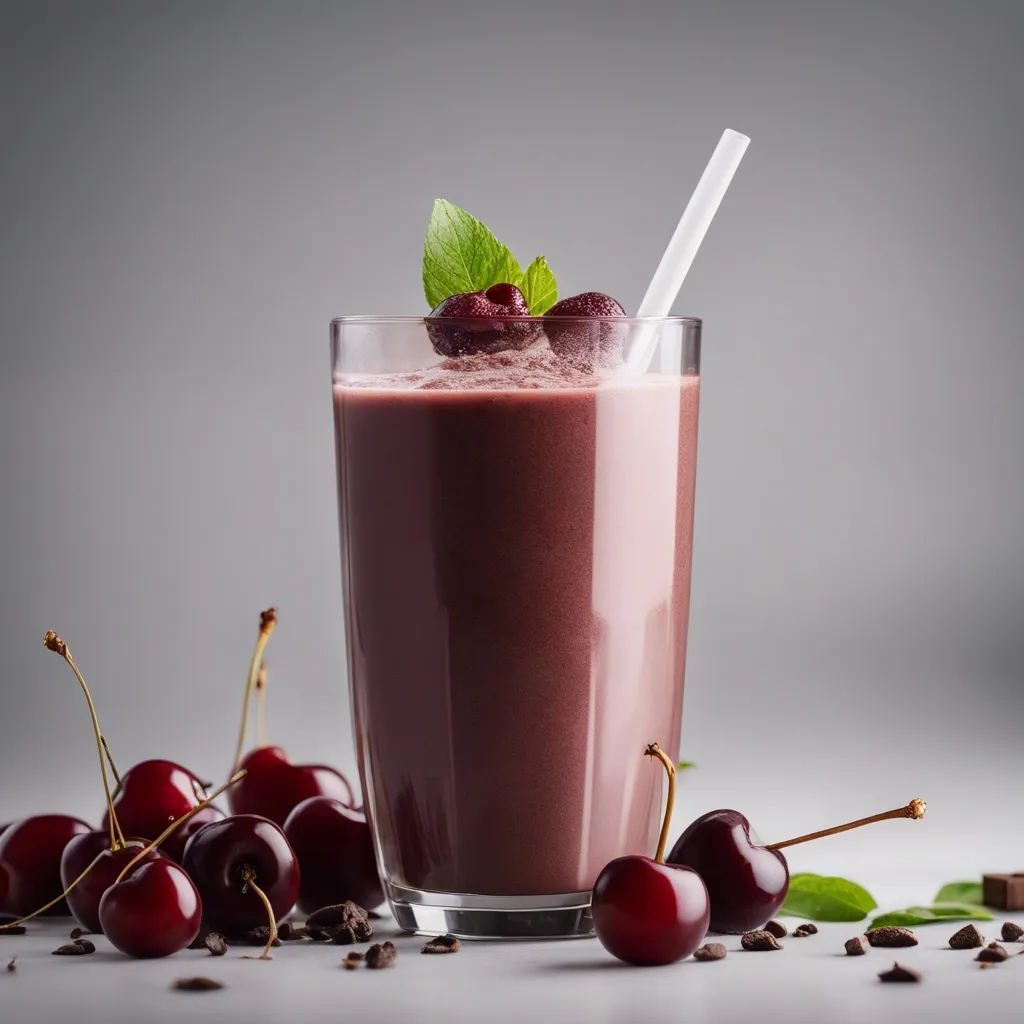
(748, 881)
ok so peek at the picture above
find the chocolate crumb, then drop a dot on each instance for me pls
(345, 937)
(899, 973)
(855, 946)
(12, 929)
(758, 940)
(710, 951)
(352, 961)
(1011, 932)
(217, 944)
(967, 937)
(891, 937)
(199, 942)
(80, 947)
(290, 931)
(776, 928)
(257, 936)
(381, 955)
(802, 931)
(442, 944)
(12, 964)
(324, 924)
(196, 985)
(993, 953)
(77, 933)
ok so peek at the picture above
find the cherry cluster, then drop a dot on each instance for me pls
(166, 861)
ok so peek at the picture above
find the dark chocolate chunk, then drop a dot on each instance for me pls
(1004, 892)
(442, 944)
(199, 942)
(80, 947)
(710, 951)
(217, 944)
(1012, 932)
(12, 929)
(802, 931)
(257, 936)
(77, 933)
(967, 938)
(891, 937)
(993, 953)
(777, 928)
(290, 931)
(758, 940)
(856, 946)
(899, 973)
(352, 961)
(324, 924)
(12, 964)
(345, 937)
(381, 955)
(196, 985)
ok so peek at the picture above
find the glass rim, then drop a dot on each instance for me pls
(375, 320)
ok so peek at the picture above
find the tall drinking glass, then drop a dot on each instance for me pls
(516, 531)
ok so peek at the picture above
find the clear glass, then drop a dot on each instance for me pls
(516, 532)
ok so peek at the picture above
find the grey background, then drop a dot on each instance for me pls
(189, 191)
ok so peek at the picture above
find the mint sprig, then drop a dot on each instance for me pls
(937, 913)
(822, 898)
(461, 254)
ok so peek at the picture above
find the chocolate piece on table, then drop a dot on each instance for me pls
(1004, 892)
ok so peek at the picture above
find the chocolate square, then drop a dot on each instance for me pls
(1004, 892)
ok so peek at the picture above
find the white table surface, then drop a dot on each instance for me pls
(809, 980)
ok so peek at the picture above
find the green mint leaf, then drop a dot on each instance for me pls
(960, 892)
(539, 287)
(684, 765)
(935, 914)
(821, 898)
(461, 255)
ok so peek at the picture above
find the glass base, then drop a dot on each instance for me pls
(561, 916)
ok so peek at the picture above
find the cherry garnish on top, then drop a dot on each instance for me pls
(647, 912)
(600, 341)
(481, 322)
(746, 880)
(273, 786)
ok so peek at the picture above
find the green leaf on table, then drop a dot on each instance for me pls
(823, 898)
(935, 914)
(461, 255)
(960, 892)
(685, 765)
(539, 287)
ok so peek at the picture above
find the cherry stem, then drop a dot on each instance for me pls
(268, 620)
(63, 895)
(110, 761)
(177, 823)
(261, 699)
(249, 877)
(915, 809)
(653, 750)
(54, 643)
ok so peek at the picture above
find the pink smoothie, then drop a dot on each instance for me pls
(516, 538)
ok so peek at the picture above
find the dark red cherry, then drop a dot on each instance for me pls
(174, 845)
(30, 852)
(747, 882)
(476, 322)
(155, 911)
(601, 342)
(273, 786)
(152, 794)
(84, 899)
(647, 913)
(335, 852)
(222, 859)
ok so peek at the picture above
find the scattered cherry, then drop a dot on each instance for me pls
(335, 851)
(229, 859)
(152, 794)
(647, 912)
(273, 786)
(600, 342)
(90, 855)
(747, 881)
(154, 912)
(30, 853)
(483, 323)
(174, 845)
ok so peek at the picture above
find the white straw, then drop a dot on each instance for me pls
(685, 242)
